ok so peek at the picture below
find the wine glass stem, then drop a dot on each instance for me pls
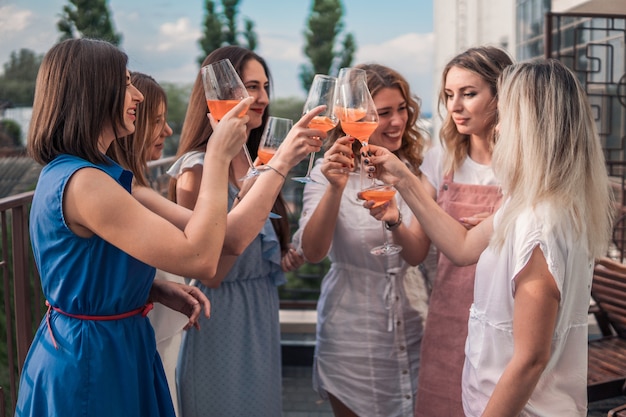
(311, 160)
(385, 243)
(249, 158)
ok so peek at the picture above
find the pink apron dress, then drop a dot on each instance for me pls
(443, 345)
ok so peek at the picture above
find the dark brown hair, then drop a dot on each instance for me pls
(80, 90)
(197, 129)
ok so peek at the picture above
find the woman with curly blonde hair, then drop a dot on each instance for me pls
(371, 308)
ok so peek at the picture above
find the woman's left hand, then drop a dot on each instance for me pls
(388, 211)
(291, 260)
(183, 298)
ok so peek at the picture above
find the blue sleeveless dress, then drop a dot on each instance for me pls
(98, 368)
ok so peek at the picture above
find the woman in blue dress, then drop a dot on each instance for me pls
(94, 353)
(232, 367)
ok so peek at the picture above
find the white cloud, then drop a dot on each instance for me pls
(413, 51)
(13, 20)
(177, 34)
(412, 55)
(280, 47)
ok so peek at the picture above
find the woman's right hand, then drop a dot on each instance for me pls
(231, 133)
(383, 164)
(339, 161)
(299, 143)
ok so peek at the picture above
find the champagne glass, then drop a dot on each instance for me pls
(381, 193)
(322, 91)
(223, 89)
(355, 107)
(273, 135)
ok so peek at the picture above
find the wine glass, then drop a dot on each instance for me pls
(355, 107)
(273, 135)
(322, 91)
(381, 193)
(223, 89)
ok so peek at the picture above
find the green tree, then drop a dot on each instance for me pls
(89, 19)
(324, 26)
(17, 84)
(220, 28)
(177, 101)
(10, 134)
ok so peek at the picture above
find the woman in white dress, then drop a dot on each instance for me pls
(371, 308)
(526, 350)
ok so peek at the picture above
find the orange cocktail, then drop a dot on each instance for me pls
(324, 123)
(380, 194)
(265, 154)
(218, 108)
(353, 125)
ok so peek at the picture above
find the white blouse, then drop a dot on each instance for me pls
(562, 388)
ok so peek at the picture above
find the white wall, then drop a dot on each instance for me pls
(589, 6)
(461, 24)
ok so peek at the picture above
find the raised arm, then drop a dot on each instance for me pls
(257, 196)
(246, 219)
(462, 246)
(95, 204)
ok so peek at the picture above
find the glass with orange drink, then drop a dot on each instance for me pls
(223, 89)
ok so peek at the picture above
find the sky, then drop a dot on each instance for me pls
(161, 37)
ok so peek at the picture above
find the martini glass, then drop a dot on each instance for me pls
(223, 89)
(381, 193)
(322, 91)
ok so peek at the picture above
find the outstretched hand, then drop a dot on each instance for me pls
(183, 298)
(383, 164)
(301, 140)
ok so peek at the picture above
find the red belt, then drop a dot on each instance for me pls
(144, 310)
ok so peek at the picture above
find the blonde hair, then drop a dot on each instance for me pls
(549, 152)
(487, 62)
(411, 149)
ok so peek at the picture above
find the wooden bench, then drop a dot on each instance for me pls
(607, 355)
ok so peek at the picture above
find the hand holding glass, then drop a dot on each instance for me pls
(381, 193)
(321, 93)
(355, 107)
(274, 134)
(223, 89)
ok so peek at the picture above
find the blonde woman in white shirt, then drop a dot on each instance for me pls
(526, 351)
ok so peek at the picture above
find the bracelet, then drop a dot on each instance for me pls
(393, 226)
(275, 170)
